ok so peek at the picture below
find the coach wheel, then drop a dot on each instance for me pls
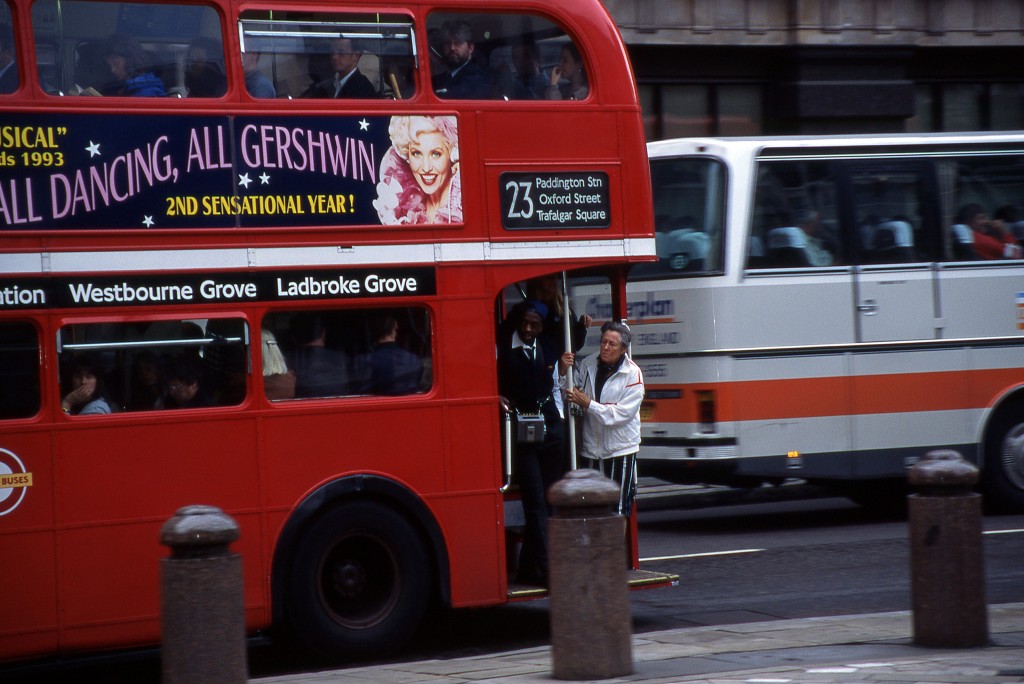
(360, 583)
(1004, 460)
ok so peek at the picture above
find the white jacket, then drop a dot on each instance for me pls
(610, 427)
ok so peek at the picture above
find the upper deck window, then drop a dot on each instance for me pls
(331, 56)
(128, 49)
(9, 80)
(504, 57)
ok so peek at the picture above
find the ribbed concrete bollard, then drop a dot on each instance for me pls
(202, 609)
(591, 629)
(946, 560)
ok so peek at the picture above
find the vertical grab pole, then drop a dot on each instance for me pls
(508, 451)
(567, 332)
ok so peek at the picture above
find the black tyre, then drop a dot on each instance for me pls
(1003, 474)
(360, 582)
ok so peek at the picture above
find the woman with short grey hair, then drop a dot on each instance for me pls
(608, 388)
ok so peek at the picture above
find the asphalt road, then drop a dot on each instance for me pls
(797, 558)
(785, 552)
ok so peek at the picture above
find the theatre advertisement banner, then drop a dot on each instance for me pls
(94, 171)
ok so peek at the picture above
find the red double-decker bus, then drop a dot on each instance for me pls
(214, 216)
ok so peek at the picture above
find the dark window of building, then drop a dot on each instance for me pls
(675, 110)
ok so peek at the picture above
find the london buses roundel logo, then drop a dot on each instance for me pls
(14, 481)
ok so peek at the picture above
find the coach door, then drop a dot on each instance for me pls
(892, 217)
(894, 210)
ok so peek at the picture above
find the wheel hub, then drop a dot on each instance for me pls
(349, 580)
(1013, 455)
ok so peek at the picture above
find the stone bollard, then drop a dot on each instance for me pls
(591, 630)
(202, 609)
(946, 563)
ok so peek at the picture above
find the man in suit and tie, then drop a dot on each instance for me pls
(347, 81)
(8, 64)
(527, 383)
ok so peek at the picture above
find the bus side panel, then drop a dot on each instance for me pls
(801, 403)
(982, 301)
(670, 318)
(28, 620)
(111, 511)
(511, 136)
(472, 372)
(477, 564)
(1000, 370)
(473, 438)
(903, 402)
(794, 310)
(514, 139)
(793, 404)
(305, 451)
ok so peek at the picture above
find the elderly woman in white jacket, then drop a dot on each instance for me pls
(608, 388)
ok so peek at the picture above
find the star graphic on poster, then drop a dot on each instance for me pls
(265, 179)
(93, 149)
(148, 221)
(364, 125)
(244, 179)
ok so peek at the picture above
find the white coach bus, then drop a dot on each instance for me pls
(831, 309)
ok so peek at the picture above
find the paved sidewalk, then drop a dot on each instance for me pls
(852, 648)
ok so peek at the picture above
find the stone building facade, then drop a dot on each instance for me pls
(752, 67)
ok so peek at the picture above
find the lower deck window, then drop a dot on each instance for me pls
(19, 370)
(339, 353)
(153, 365)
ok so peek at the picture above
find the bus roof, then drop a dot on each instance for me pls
(777, 146)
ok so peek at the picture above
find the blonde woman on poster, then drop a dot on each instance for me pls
(419, 174)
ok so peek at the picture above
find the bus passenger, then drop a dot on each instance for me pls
(821, 248)
(8, 64)
(393, 370)
(129, 66)
(570, 68)
(86, 397)
(347, 82)
(530, 77)
(204, 73)
(465, 79)
(256, 82)
(1008, 216)
(526, 383)
(278, 380)
(990, 240)
(547, 289)
(147, 386)
(319, 371)
(522, 77)
(185, 384)
(609, 388)
(419, 174)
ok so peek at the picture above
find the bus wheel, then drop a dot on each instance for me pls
(360, 582)
(1004, 460)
